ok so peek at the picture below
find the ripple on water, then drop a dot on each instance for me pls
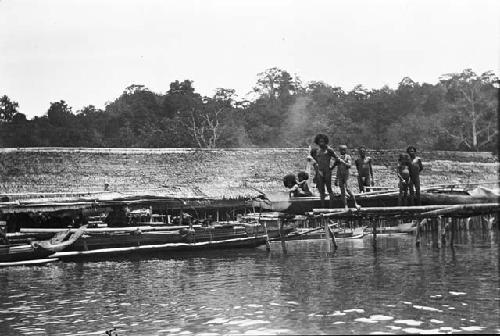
(409, 322)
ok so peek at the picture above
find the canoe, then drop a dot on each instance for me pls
(13, 253)
(407, 227)
(301, 205)
(318, 233)
(29, 262)
(162, 249)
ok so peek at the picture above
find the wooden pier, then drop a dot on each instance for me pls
(443, 221)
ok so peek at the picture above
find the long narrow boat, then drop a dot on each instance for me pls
(162, 249)
(124, 237)
(301, 205)
(14, 253)
(33, 262)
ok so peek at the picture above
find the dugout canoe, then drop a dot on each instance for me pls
(34, 262)
(162, 249)
(301, 205)
(24, 252)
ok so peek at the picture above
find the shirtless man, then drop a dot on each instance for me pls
(320, 158)
(343, 163)
(415, 168)
(365, 170)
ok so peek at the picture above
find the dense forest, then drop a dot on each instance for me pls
(458, 113)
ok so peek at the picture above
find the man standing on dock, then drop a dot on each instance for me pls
(415, 168)
(320, 157)
(343, 162)
(365, 170)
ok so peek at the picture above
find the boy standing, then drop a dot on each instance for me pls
(343, 163)
(365, 170)
(415, 168)
(320, 157)
(404, 178)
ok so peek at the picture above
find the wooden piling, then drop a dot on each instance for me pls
(282, 236)
(418, 230)
(454, 222)
(268, 244)
(327, 234)
(434, 230)
(374, 231)
(444, 229)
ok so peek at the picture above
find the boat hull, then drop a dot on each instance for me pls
(22, 253)
(302, 205)
(162, 249)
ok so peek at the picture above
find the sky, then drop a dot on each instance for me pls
(88, 52)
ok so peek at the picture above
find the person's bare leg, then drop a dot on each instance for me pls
(356, 205)
(412, 194)
(321, 188)
(330, 193)
(342, 187)
(400, 196)
(417, 191)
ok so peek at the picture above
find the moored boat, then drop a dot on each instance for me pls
(24, 252)
(162, 249)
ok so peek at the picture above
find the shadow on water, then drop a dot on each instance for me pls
(395, 288)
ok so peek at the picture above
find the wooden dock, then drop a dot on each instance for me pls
(443, 220)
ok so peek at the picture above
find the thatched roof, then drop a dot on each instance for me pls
(191, 173)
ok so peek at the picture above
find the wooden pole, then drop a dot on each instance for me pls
(327, 234)
(282, 236)
(434, 232)
(453, 229)
(331, 234)
(374, 232)
(418, 233)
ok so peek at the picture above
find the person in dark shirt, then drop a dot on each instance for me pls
(365, 170)
(320, 158)
(415, 169)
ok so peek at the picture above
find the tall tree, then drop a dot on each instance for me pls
(8, 109)
(472, 109)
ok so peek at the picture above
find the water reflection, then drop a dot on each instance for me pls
(396, 288)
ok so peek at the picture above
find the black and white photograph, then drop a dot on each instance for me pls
(249, 167)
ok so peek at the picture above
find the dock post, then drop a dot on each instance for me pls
(374, 232)
(331, 234)
(417, 231)
(282, 237)
(442, 230)
(434, 231)
(268, 244)
(327, 234)
(453, 229)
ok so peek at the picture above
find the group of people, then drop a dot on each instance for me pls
(322, 156)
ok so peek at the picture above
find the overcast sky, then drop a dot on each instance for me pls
(88, 51)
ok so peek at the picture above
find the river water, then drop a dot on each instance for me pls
(396, 288)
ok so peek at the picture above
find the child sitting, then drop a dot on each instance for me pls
(298, 188)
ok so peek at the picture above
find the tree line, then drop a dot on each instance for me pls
(457, 113)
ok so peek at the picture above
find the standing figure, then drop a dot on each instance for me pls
(320, 157)
(343, 164)
(415, 168)
(403, 173)
(365, 170)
